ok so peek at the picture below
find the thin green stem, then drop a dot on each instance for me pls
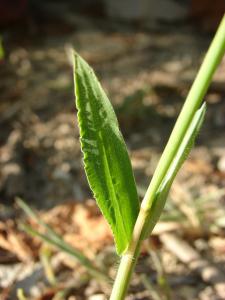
(192, 103)
(128, 261)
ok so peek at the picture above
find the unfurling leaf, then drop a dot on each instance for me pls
(180, 156)
(106, 160)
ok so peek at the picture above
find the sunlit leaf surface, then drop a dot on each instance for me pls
(106, 160)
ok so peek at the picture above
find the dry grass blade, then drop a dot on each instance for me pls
(20, 295)
(150, 288)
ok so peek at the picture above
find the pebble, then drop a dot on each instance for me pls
(221, 164)
(97, 297)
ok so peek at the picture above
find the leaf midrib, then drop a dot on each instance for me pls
(101, 144)
(112, 185)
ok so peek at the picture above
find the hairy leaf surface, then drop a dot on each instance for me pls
(106, 160)
(181, 155)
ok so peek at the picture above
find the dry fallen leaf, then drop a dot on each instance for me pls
(15, 241)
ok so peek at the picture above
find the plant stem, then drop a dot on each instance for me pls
(128, 260)
(192, 103)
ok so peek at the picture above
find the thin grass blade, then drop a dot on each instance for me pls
(32, 214)
(66, 248)
(52, 238)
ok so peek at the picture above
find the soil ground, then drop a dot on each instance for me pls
(147, 73)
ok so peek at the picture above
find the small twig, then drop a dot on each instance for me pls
(161, 276)
(20, 294)
(150, 288)
(45, 255)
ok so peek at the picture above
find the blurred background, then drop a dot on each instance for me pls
(146, 54)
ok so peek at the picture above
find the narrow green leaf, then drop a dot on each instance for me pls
(66, 248)
(54, 239)
(106, 160)
(180, 156)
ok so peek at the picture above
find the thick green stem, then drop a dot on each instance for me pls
(192, 103)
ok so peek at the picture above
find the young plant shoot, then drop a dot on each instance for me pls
(108, 167)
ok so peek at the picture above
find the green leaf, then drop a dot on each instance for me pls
(106, 160)
(180, 156)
